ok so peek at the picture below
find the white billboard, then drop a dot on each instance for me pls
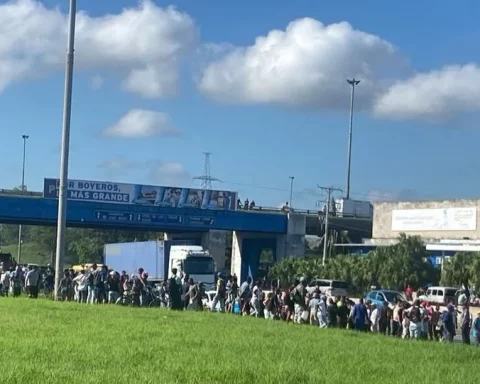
(435, 219)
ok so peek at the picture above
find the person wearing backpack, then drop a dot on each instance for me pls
(220, 295)
(415, 316)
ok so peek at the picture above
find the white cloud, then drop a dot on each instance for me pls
(433, 95)
(305, 65)
(96, 82)
(152, 81)
(156, 172)
(141, 123)
(118, 163)
(169, 173)
(142, 43)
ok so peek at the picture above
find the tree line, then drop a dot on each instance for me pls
(392, 267)
(83, 245)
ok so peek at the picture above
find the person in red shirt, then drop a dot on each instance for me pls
(408, 292)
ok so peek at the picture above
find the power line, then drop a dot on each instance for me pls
(206, 178)
(379, 195)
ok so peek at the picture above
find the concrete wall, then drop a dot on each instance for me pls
(382, 219)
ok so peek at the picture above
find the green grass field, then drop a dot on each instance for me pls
(48, 342)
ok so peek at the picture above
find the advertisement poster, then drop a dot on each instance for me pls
(161, 196)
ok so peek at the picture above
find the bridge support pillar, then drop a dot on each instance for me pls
(216, 243)
(293, 242)
(253, 254)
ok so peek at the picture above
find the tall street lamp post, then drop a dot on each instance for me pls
(291, 190)
(353, 83)
(67, 109)
(19, 250)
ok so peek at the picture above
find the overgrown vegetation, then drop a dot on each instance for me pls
(83, 245)
(387, 267)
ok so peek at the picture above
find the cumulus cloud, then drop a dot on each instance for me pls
(141, 123)
(433, 95)
(156, 171)
(142, 44)
(306, 65)
(169, 173)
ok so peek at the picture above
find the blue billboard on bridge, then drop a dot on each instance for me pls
(145, 195)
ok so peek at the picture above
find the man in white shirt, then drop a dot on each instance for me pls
(5, 282)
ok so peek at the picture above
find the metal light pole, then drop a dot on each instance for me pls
(291, 190)
(67, 109)
(19, 254)
(353, 83)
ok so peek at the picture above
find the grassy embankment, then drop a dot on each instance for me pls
(48, 342)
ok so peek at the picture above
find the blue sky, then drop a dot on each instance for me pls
(156, 87)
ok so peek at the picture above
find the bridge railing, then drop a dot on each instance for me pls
(256, 209)
(13, 192)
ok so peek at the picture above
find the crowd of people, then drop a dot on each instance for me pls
(297, 304)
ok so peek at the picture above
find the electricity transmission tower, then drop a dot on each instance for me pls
(329, 191)
(206, 178)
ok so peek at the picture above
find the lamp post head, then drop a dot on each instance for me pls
(353, 81)
(25, 137)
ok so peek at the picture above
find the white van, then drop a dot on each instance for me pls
(332, 288)
(440, 295)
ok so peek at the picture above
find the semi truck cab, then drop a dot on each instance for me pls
(194, 261)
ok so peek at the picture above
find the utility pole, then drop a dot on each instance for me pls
(19, 250)
(67, 113)
(291, 190)
(329, 191)
(353, 83)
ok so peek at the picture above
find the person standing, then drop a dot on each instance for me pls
(299, 294)
(359, 316)
(220, 294)
(466, 324)
(449, 323)
(32, 279)
(476, 330)
(175, 291)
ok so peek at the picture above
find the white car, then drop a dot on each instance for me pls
(331, 288)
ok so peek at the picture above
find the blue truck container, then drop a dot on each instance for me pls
(152, 256)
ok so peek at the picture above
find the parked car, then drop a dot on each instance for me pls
(378, 297)
(332, 288)
(440, 295)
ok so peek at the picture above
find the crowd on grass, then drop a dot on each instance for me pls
(296, 304)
